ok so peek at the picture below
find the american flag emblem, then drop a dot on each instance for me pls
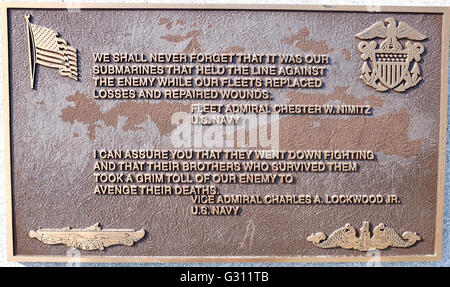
(47, 49)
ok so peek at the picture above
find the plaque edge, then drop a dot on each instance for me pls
(437, 256)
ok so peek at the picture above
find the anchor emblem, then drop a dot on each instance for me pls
(390, 66)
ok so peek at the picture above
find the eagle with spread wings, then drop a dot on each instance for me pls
(391, 33)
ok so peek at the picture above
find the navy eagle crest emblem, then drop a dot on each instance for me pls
(390, 66)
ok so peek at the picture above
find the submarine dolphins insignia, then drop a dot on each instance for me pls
(382, 238)
(389, 66)
(91, 238)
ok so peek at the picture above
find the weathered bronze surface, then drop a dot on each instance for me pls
(389, 64)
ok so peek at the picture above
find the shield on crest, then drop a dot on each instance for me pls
(387, 64)
(391, 68)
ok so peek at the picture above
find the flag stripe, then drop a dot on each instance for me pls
(68, 72)
(49, 64)
(71, 53)
(71, 64)
(50, 54)
(50, 59)
(61, 56)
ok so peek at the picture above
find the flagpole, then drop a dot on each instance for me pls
(31, 51)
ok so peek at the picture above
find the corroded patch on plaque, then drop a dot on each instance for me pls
(90, 238)
(382, 238)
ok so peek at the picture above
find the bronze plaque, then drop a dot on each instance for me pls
(178, 133)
